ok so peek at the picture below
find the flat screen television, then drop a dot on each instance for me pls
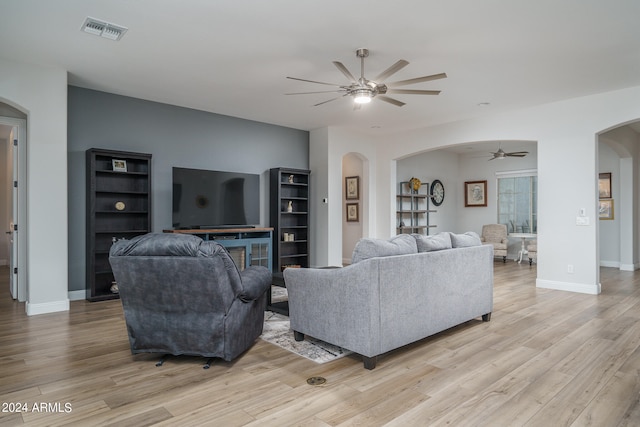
(215, 199)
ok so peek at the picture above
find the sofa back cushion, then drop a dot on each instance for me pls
(465, 240)
(366, 248)
(436, 242)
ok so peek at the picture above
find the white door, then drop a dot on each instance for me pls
(13, 230)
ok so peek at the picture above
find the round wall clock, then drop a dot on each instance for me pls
(437, 192)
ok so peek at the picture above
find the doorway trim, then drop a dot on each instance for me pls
(21, 125)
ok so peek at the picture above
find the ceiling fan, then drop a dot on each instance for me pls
(364, 90)
(501, 154)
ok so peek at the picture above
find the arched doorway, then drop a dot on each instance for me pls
(618, 229)
(354, 201)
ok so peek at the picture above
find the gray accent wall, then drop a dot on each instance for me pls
(175, 136)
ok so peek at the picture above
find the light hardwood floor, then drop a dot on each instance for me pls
(546, 358)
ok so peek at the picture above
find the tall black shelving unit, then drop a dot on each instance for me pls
(118, 206)
(289, 216)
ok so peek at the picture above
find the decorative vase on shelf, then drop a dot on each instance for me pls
(414, 184)
(290, 206)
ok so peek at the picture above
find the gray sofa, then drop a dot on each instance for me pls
(396, 292)
(184, 296)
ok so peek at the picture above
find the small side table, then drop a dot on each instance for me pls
(280, 307)
(523, 249)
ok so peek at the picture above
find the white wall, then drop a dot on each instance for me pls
(474, 168)
(42, 94)
(327, 147)
(453, 170)
(566, 133)
(427, 167)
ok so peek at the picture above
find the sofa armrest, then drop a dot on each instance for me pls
(255, 281)
(339, 306)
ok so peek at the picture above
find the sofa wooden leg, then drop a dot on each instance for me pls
(530, 261)
(298, 336)
(370, 362)
(486, 317)
(504, 259)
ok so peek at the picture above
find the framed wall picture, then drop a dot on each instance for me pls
(119, 165)
(352, 212)
(605, 208)
(475, 193)
(604, 185)
(352, 187)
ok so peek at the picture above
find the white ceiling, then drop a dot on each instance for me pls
(231, 57)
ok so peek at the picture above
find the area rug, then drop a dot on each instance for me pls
(278, 331)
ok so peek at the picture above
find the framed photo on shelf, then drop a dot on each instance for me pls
(605, 209)
(352, 212)
(119, 165)
(604, 185)
(352, 187)
(475, 193)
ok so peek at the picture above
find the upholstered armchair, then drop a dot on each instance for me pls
(532, 249)
(496, 235)
(184, 296)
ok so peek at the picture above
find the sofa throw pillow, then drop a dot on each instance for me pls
(467, 239)
(436, 242)
(366, 248)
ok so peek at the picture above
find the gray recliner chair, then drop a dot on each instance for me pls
(185, 296)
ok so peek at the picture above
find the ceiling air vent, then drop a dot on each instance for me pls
(103, 29)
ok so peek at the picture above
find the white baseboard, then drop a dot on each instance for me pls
(629, 267)
(614, 264)
(77, 295)
(47, 307)
(617, 264)
(581, 288)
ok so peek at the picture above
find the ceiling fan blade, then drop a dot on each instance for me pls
(419, 80)
(390, 100)
(414, 91)
(517, 154)
(313, 81)
(328, 100)
(391, 70)
(320, 91)
(344, 71)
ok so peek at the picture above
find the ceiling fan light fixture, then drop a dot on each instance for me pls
(362, 96)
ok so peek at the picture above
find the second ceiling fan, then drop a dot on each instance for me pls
(364, 90)
(501, 154)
